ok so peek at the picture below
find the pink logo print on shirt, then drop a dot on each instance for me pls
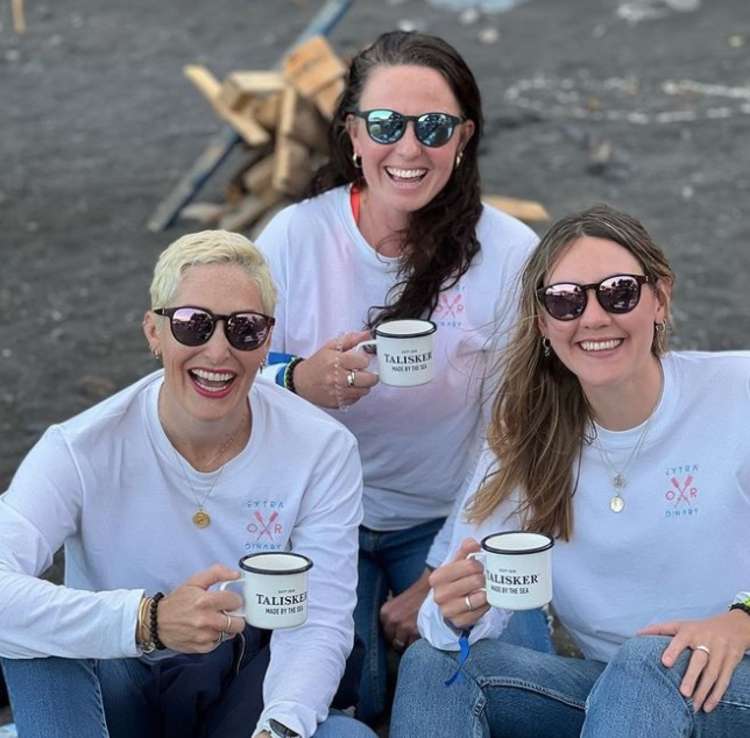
(681, 497)
(450, 308)
(262, 527)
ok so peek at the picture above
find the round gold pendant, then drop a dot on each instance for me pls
(201, 519)
(616, 504)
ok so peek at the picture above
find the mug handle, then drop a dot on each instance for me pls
(364, 344)
(222, 587)
(478, 556)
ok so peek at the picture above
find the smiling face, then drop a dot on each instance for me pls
(604, 349)
(404, 176)
(207, 383)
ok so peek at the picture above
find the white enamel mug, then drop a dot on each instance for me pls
(405, 351)
(275, 589)
(517, 569)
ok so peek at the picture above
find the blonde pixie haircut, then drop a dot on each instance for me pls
(210, 247)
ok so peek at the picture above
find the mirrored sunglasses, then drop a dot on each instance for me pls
(618, 294)
(387, 126)
(245, 330)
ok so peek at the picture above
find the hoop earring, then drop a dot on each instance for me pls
(546, 347)
(357, 160)
(459, 158)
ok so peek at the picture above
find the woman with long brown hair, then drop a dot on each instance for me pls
(396, 229)
(636, 461)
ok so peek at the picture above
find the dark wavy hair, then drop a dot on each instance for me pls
(440, 239)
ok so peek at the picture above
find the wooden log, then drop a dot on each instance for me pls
(19, 17)
(292, 167)
(240, 87)
(301, 120)
(259, 177)
(246, 126)
(249, 210)
(311, 68)
(266, 110)
(529, 211)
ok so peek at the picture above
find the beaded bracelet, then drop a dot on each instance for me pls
(289, 374)
(153, 625)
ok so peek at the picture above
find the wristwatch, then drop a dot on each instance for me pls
(279, 730)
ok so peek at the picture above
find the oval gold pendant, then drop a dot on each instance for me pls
(616, 504)
(201, 519)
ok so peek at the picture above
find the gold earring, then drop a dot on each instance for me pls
(156, 353)
(357, 160)
(459, 157)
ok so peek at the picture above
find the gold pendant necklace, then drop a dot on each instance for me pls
(201, 519)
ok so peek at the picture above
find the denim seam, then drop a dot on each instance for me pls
(529, 687)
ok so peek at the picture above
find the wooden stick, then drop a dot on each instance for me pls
(527, 210)
(19, 19)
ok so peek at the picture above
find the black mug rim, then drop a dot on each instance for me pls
(516, 552)
(428, 332)
(258, 570)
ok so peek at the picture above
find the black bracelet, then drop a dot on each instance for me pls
(289, 374)
(153, 625)
(741, 606)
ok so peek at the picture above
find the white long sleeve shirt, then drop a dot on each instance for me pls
(109, 486)
(679, 549)
(418, 445)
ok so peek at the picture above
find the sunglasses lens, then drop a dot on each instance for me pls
(385, 126)
(247, 331)
(619, 294)
(434, 129)
(564, 301)
(191, 326)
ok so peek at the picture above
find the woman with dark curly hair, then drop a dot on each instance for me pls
(395, 229)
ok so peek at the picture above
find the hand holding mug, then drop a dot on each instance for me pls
(192, 618)
(323, 377)
(458, 587)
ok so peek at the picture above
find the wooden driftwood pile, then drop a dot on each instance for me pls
(283, 118)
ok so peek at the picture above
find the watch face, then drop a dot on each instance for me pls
(281, 731)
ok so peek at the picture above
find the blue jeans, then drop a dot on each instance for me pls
(390, 562)
(512, 692)
(69, 698)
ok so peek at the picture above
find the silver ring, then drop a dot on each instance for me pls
(398, 644)
(703, 648)
(467, 600)
(350, 377)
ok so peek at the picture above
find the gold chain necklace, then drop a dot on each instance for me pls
(201, 519)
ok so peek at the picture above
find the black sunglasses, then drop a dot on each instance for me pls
(387, 126)
(619, 293)
(193, 326)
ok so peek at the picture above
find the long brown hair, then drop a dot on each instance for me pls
(540, 414)
(440, 239)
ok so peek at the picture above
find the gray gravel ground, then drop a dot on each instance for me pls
(584, 103)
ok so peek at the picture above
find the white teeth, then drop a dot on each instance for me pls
(212, 376)
(601, 345)
(406, 173)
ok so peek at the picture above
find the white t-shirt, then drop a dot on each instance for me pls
(679, 549)
(110, 486)
(418, 445)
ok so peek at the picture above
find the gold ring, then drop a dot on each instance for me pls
(467, 600)
(703, 648)
(228, 626)
(350, 377)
